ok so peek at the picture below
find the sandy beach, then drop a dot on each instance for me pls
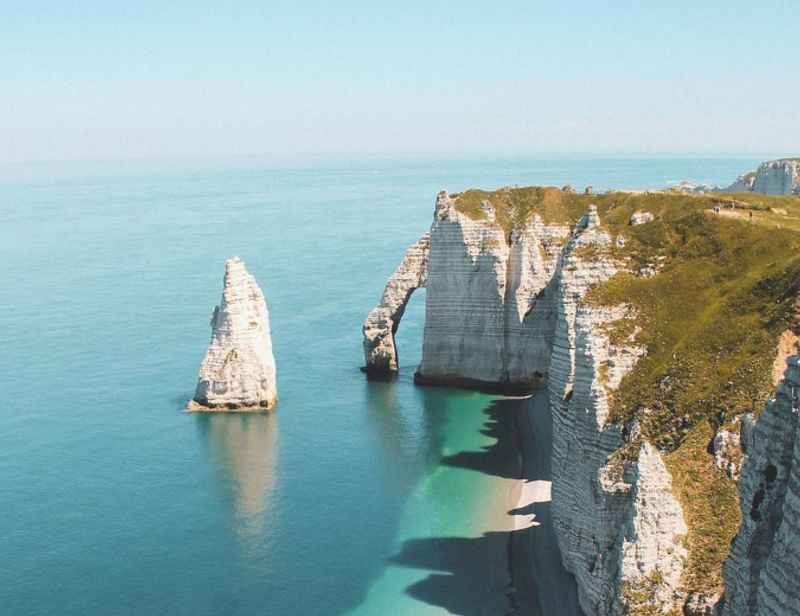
(515, 567)
(542, 587)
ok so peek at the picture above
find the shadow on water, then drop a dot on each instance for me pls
(405, 444)
(502, 458)
(409, 440)
(245, 450)
(531, 580)
(472, 573)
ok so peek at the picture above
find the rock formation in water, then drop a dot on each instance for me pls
(774, 177)
(238, 371)
(483, 284)
(380, 351)
(509, 279)
(503, 312)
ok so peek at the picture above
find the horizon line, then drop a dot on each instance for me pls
(349, 156)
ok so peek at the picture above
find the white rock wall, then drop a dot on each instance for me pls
(763, 568)
(614, 521)
(490, 308)
(653, 553)
(510, 311)
(778, 177)
(774, 177)
(238, 370)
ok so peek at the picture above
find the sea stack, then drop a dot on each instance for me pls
(238, 371)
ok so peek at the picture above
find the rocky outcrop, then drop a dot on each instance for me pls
(778, 177)
(508, 310)
(686, 186)
(744, 183)
(774, 177)
(727, 450)
(652, 546)
(238, 370)
(763, 567)
(489, 314)
(490, 311)
(617, 521)
(702, 604)
(380, 351)
(640, 218)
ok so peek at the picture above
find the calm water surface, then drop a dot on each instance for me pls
(114, 501)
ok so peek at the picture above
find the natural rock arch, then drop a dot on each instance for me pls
(380, 350)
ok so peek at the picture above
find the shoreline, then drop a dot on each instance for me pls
(540, 586)
(192, 406)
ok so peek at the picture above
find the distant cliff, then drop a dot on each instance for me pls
(653, 320)
(774, 177)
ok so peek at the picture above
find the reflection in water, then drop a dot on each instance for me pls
(411, 442)
(245, 449)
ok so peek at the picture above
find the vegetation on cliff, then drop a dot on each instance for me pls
(720, 289)
(513, 207)
(711, 283)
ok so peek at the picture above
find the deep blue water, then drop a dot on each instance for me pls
(114, 501)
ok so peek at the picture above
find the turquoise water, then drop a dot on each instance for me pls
(114, 501)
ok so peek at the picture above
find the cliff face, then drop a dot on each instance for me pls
(490, 301)
(504, 310)
(634, 313)
(489, 314)
(238, 370)
(762, 570)
(619, 526)
(774, 177)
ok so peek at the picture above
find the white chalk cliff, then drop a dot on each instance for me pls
(506, 310)
(774, 177)
(617, 522)
(380, 351)
(763, 567)
(489, 317)
(238, 370)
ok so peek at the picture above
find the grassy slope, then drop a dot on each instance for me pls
(710, 320)
(514, 206)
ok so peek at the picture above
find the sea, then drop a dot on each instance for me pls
(353, 497)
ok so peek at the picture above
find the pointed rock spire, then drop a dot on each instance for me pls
(238, 371)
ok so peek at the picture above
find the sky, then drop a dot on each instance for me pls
(101, 80)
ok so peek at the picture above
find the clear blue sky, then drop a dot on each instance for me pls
(104, 79)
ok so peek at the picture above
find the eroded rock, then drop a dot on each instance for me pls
(727, 449)
(763, 566)
(774, 177)
(702, 604)
(380, 351)
(640, 218)
(508, 309)
(238, 370)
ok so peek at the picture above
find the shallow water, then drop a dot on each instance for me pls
(348, 499)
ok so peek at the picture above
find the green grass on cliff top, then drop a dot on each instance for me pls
(515, 206)
(710, 320)
(711, 317)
